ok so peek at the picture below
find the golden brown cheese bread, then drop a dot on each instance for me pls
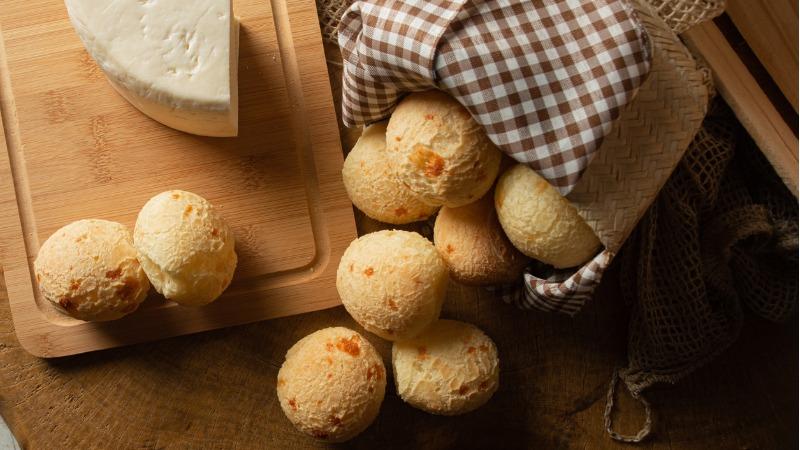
(374, 188)
(185, 247)
(451, 368)
(393, 283)
(332, 384)
(90, 271)
(474, 246)
(439, 151)
(540, 222)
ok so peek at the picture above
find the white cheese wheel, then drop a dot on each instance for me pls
(174, 60)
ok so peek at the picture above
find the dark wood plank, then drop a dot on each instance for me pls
(217, 389)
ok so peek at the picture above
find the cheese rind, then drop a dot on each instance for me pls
(174, 60)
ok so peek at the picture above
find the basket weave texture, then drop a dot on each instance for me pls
(680, 15)
(648, 139)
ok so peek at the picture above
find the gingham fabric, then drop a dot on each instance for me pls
(546, 78)
(562, 291)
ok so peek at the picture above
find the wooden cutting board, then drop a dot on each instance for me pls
(72, 148)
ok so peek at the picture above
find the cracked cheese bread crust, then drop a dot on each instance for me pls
(90, 271)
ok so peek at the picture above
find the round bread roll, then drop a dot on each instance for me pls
(332, 383)
(474, 246)
(185, 247)
(374, 188)
(89, 270)
(393, 283)
(439, 151)
(452, 368)
(540, 222)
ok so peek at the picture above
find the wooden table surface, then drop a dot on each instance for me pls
(217, 389)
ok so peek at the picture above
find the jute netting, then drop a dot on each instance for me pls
(720, 240)
(721, 236)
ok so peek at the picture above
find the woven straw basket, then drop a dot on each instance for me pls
(648, 139)
(651, 133)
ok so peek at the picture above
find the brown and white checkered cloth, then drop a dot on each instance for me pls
(545, 78)
(563, 291)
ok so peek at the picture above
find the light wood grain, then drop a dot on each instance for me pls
(752, 107)
(770, 29)
(72, 148)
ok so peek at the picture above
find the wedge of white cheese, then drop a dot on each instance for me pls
(174, 60)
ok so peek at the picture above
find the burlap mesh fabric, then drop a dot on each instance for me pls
(720, 240)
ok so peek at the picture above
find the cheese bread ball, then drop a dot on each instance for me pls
(439, 151)
(374, 188)
(393, 283)
(90, 271)
(332, 383)
(540, 222)
(450, 369)
(474, 246)
(185, 247)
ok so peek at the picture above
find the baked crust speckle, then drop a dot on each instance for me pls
(90, 271)
(332, 384)
(393, 283)
(185, 247)
(437, 149)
